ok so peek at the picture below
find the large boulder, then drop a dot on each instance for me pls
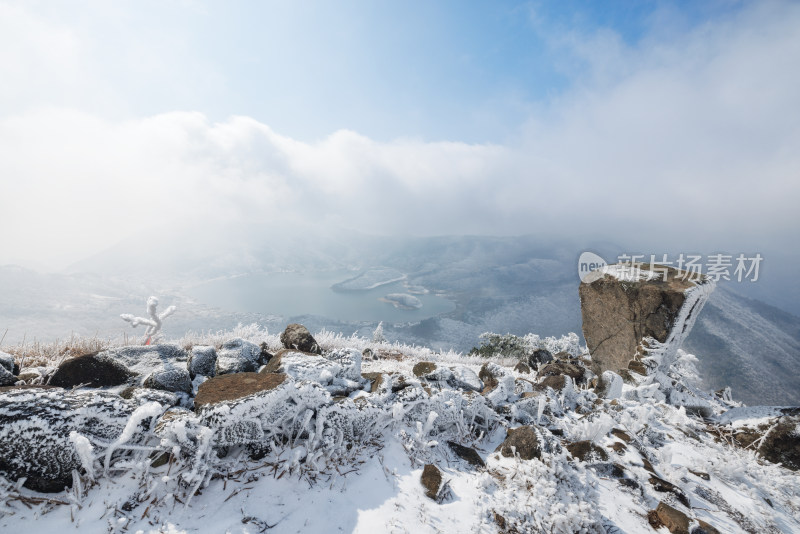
(238, 356)
(7, 362)
(297, 336)
(624, 304)
(7, 378)
(226, 388)
(202, 361)
(174, 379)
(93, 370)
(42, 431)
(144, 359)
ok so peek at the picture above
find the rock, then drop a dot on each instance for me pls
(297, 336)
(422, 369)
(572, 370)
(704, 528)
(521, 441)
(781, 444)
(676, 521)
(231, 387)
(777, 428)
(173, 379)
(6, 377)
(432, 481)
(586, 451)
(465, 379)
(7, 362)
(522, 368)
(609, 386)
(369, 354)
(621, 306)
(266, 355)
(539, 358)
(202, 361)
(659, 484)
(93, 370)
(557, 382)
(376, 380)
(144, 359)
(35, 428)
(621, 434)
(638, 367)
(238, 356)
(467, 454)
(491, 375)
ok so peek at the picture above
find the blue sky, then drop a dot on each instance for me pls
(461, 71)
(661, 126)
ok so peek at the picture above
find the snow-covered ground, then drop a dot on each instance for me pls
(367, 479)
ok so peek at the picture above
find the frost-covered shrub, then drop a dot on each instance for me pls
(549, 495)
(522, 348)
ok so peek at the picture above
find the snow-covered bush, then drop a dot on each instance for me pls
(522, 348)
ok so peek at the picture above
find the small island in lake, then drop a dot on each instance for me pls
(403, 301)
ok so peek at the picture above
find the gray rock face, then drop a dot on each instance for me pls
(144, 359)
(35, 427)
(7, 362)
(173, 379)
(466, 379)
(238, 356)
(7, 377)
(202, 361)
(297, 336)
(623, 304)
(94, 370)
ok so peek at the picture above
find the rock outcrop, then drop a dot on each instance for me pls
(624, 304)
(238, 356)
(236, 386)
(202, 361)
(93, 370)
(297, 336)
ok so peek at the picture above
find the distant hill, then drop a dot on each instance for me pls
(499, 284)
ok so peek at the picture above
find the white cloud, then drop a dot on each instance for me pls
(687, 140)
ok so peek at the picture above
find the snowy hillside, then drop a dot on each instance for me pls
(339, 442)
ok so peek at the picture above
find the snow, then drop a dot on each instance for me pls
(293, 459)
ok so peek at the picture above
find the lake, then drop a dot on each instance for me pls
(293, 294)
